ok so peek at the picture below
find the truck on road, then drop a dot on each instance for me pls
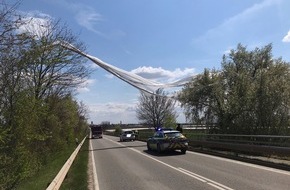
(96, 131)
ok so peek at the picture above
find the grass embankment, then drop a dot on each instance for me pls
(76, 177)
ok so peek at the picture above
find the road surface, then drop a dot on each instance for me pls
(128, 165)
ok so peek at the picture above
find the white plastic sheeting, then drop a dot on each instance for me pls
(131, 78)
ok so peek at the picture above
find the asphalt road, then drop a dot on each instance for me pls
(128, 165)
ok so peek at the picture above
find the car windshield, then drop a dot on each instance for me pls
(173, 134)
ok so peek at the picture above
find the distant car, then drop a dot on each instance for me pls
(127, 136)
(167, 140)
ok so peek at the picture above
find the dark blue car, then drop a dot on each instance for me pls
(167, 140)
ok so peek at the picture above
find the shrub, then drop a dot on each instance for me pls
(118, 130)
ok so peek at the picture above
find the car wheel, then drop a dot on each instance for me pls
(183, 151)
(158, 148)
(148, 147)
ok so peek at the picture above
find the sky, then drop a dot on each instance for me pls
(161, 40)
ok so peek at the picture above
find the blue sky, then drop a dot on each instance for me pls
(161, 40)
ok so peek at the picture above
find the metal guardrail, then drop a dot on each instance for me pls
(253, 144)
(271, 140)
(57, 181)
(257, 144)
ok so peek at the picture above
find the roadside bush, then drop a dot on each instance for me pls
(118, 130)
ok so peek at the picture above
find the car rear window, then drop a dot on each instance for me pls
(128, 132)
(173, 134)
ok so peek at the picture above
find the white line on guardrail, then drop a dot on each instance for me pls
(57, 181)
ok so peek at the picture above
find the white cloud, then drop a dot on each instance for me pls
(287, 37)
(111, 107)
(89, 18)
(228, 51)
(114, 112)
(84, 87)
(247, 14)
(233, 24)
(161, 74)
(35, 23)
(128, 52)
(83, 90)
(109, 76)
(94, 66)
(86, 16)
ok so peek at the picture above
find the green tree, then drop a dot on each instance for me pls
(249, 95)
(38, 114)
(14, 156)
(155, 109)
(52, 69)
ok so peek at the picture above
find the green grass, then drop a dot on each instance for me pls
(48, 172)
(77, 177)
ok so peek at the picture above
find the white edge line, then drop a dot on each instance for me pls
(215, 186)
(95, 176)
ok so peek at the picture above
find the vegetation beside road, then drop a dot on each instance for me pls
(77, 177)
(47, 173)
(249, 95)
(39, 115)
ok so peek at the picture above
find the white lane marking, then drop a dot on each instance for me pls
(186, 172)
(243, 163)
(208, 181)
(95, 176)
(215, 186)
(193, 176)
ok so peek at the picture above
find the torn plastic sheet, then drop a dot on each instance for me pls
(135, 80)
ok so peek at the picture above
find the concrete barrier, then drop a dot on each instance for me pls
(57, 181)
